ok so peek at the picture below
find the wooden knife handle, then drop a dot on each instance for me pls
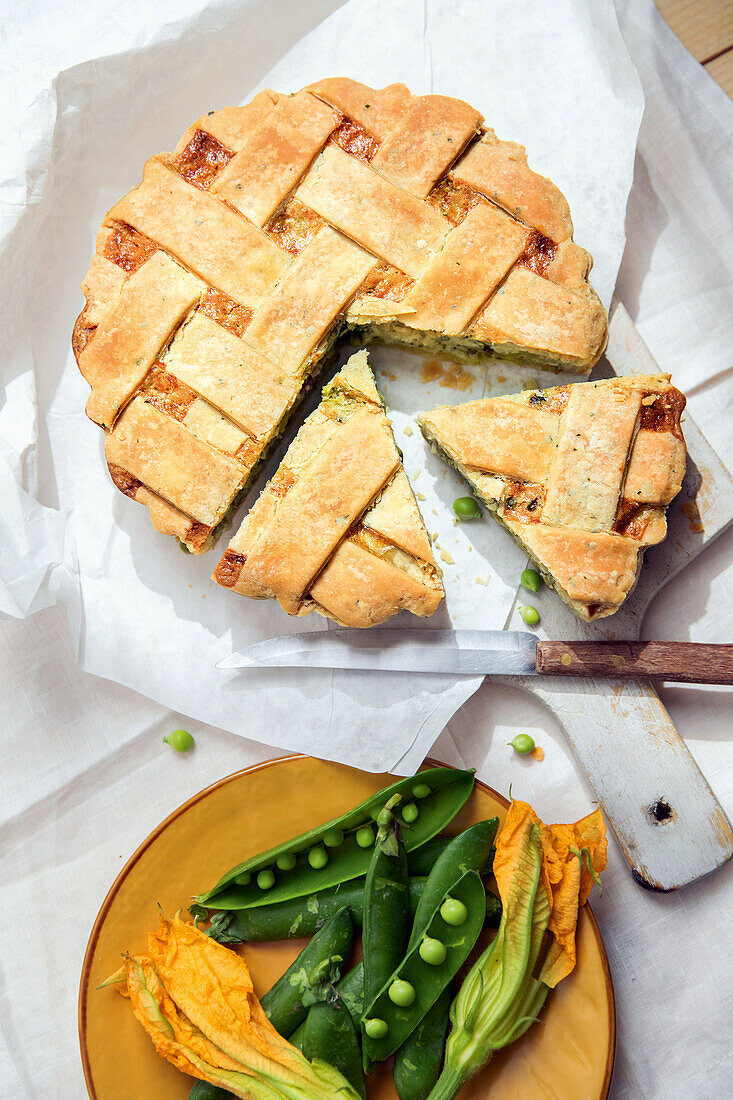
(678, 662)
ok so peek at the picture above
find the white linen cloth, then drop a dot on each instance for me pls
(85, 776)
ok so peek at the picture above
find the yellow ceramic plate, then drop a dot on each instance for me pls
(568, 1056)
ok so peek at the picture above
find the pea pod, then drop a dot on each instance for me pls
(297, 917)
(386, 903)
(418, 1062)
(284, 1002)
(351, 990)
(343, 841)
(329, 1033)
(426, 981)
(422, 860)
(471, 850)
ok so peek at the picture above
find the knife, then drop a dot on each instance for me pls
(487, 653)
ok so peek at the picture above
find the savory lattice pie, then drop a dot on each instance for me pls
(337, 528)
(220, 282)
(580, 475)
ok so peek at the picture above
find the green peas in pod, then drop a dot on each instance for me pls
(433, 951)
(453, 912)
(401, 993)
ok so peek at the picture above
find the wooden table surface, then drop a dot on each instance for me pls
(706, 28)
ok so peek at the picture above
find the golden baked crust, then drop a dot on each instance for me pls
(337, 528)
(272, 227)
(581, 475)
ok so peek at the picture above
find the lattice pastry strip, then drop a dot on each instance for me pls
(221, 281)
(581, 475)
(337, 528)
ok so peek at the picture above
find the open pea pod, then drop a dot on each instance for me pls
(391, 1023)
(340, 849)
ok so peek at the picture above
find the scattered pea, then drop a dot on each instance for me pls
(180, 740)
(401, 993)
(286, 861)
(410, 813)
(421, 790)
(453, 911)
(531, 580)
(365, 836)
(318, 858)
(432, 951)
(522, 743)
(466, 508)
(530, 615)
(376, 1028)
(244, 879)
(332, 838)
(266, 879)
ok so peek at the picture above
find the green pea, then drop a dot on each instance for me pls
(410, 813)
(244, 879)
(453, 911)
(421, 790)
(318, 858)
(530, 615)
(522, 743)
(180, 740)
(332, 838)
(531, 580)
(376, 1028)
(401, 993)
(365, 836)
(286, 861)
(466, 508)
(432, 951)
(266, 879)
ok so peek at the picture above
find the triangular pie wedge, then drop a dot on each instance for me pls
(337, 528)
(580, 475)
(221, 281)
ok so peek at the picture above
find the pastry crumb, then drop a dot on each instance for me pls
(447, 558)
(407, 429)
(420, 496)
(537, 753)
(480, 580)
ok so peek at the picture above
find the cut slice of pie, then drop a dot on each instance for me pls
(220, 282)
(337, 528)
(580, 475)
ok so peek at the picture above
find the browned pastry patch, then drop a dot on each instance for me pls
(226, 311)
(662, 412)
(354, 139)
(539, 253)
(202, 159)
(294, 227)
(127, 248)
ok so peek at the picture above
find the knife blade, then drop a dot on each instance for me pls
(488, 653)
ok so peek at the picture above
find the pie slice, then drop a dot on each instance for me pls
(580, 475)
(337, 528)
(222, 280)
